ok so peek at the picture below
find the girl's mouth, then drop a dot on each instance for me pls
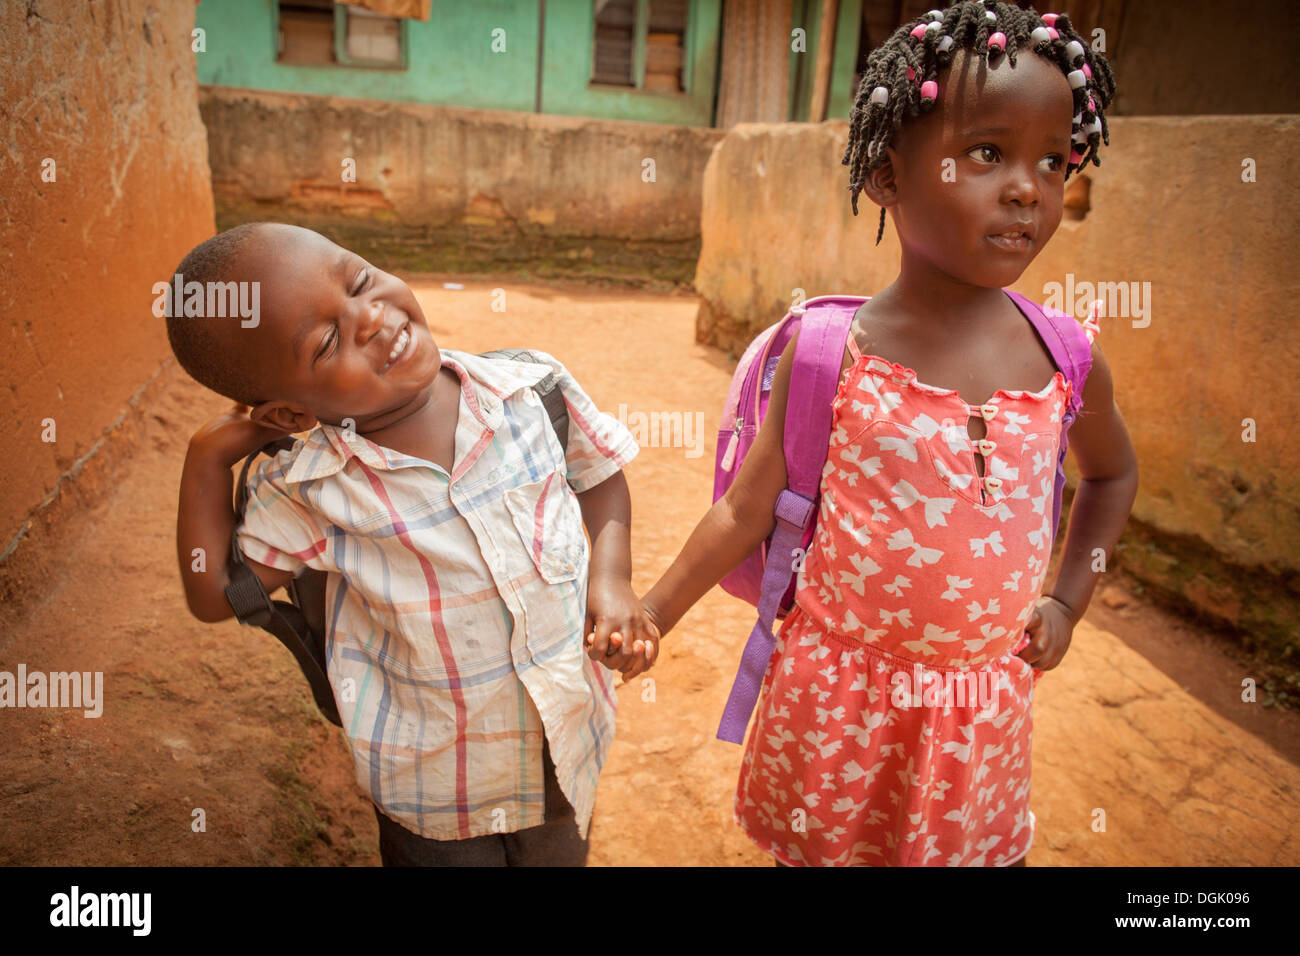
(1010, 241)
(402, 347)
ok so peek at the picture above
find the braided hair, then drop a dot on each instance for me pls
(901, 78)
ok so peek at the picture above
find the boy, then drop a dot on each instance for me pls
(434, 489)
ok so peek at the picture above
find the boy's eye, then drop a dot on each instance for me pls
(330, 338)
(362, 280)
(983, 154)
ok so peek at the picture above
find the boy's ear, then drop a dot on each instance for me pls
(880, 185)
(283, 417)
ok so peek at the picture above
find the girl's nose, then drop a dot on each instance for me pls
(1021, 187)
(370, 318)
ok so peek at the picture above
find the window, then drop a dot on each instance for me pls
(321, 32)
(640, 44)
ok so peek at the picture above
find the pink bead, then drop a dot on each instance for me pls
(1076, 157)
(929, 90)
(1087, 71)
(1092, 104)
(918, 31)
(1049, 19)
(911, 73)
(998, 40)
(1052, 32)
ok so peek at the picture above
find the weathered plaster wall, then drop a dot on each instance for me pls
(106, 91)
(1167, 207)
(450, 189)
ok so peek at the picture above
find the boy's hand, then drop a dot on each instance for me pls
(1049, 631)
(232, 436)
(619, 634)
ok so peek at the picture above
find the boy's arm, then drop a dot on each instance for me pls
(738, 521)
(206, 518)
(1108, 483)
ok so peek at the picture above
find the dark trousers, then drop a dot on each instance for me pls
(553, 843)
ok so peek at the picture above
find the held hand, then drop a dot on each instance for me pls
(619, 634)
(1049, 631)
(232, 435)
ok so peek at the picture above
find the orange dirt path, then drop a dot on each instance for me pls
(216, 716)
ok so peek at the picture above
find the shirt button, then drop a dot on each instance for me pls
(992, 483)
(988, 411)
(986, 447)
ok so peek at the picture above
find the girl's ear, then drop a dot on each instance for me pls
(880, 185)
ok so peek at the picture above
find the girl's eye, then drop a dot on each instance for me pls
(362, 281)
(983, 154)
(1055, 162)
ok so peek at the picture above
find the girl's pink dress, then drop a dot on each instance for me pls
(894, 724)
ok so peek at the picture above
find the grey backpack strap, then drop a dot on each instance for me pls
(548, 389)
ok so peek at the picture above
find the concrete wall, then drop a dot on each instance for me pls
(445, 189)
(107, 92)
(1217, 519)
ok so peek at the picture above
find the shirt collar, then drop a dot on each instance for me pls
(484, 385)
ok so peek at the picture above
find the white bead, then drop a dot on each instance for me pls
(946, 44)
(1078, 118)
(880, 95)
(1079, 136)
(1093, 127)
(990, 15)
(938, 15)
(934, 26)
(1040, 35)
(1073, 50)
(1077, 80)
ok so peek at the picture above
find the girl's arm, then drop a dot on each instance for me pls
(738, 521)
(1108, 485)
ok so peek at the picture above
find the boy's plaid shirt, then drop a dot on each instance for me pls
(457, 606)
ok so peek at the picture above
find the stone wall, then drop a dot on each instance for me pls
(1217, 518)
(446, 189)
(104, 163)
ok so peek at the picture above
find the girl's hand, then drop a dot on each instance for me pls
(232, 436)
(619, 634)
(1049, 631)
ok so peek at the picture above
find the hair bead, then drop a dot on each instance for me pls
(880, 95)
(1040, 35)
(918, 31)
(946, 44)
(1077, 80)
(1073, 50)
(1049, 19)
(1086, 70)
(998, 42)
(929, 90)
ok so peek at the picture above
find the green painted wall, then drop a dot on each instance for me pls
(450, 61)
(566, 68)
(845, 61)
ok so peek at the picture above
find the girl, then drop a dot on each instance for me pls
(926, 571)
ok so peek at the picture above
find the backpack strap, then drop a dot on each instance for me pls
(548, 390)
(252, 604)
(814, 378)
(1071, 350)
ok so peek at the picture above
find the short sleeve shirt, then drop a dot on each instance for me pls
(456, 604)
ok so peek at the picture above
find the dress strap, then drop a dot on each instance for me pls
(853, 346)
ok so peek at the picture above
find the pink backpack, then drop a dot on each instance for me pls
(766, 577)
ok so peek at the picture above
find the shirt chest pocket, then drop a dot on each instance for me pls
(549, 522)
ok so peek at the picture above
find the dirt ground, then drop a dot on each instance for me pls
(1143, 720)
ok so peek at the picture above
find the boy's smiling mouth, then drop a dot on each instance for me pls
(403, 344)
